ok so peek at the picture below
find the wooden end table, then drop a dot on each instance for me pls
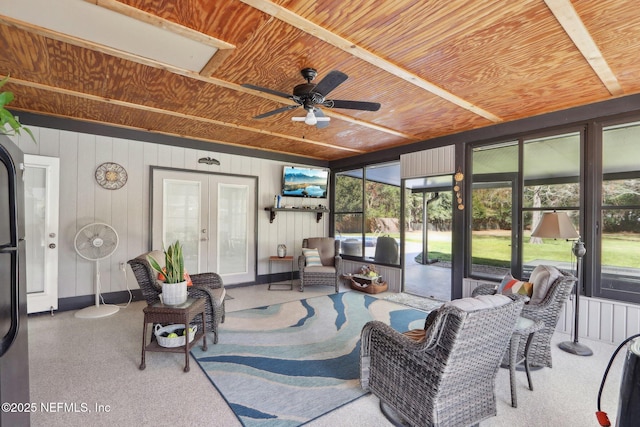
(172, 314)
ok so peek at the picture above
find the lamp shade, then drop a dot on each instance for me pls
(555, 225)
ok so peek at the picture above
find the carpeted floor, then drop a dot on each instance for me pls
(95, 362)
(286, 364)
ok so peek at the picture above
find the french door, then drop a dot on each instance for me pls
(41, 187)
(212, 215)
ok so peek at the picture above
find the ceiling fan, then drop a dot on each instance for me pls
(311, 96)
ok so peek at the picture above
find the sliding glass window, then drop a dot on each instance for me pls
(349, 211)
(619, 252)
(513, 184)
(551, 172)
(367, 207)
(495, 173)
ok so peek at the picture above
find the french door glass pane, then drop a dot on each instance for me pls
(181, 214)
(35, 181)
(233, 218)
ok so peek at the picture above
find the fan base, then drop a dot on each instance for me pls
(309, 74)
(96, 311)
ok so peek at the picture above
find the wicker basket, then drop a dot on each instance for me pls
(176, 341)
(370, 287)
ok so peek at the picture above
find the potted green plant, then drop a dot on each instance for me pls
(6, 117)
(172, 275)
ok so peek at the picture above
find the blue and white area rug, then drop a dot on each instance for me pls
(287, 364)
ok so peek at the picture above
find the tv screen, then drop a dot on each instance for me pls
(304, 182)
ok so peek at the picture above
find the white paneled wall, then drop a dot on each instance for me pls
(435, 161)
(600, 319)
(83, 201)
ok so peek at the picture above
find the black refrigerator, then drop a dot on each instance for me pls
(14, 351)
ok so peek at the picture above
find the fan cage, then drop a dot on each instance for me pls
(96, 241)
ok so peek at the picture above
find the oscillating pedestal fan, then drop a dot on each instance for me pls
(94, 242)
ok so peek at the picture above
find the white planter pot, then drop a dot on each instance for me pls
(174, 293)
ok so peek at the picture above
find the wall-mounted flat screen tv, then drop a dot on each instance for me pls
(304, 182)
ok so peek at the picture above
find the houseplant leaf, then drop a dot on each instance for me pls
(174, 263)
(7, 118)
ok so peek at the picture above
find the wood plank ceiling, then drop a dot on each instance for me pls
(436, 67)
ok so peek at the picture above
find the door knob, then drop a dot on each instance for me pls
(52, 245)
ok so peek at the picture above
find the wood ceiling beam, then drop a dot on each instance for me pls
(204, 75)
(570, 21)
(132, 105)
(303, 24)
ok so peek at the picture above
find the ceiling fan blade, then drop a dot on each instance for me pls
(322, 123)
(330, 82)
(279, 110)
(320, 115)
(352, 105)
(266, 90)
(322, 120)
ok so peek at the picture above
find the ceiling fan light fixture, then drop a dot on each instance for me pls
(311, 118)
(310, 97)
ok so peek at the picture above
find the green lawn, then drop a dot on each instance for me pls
(621, 250)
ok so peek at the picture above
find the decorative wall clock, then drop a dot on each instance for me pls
(111, 176)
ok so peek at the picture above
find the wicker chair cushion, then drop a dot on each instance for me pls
(467, 304)
(542, 278)
(326, 247)
(419, 334)
(416, 334)
(312, 257)
(158, 256)
(511, 285)
(326, 269)
(479, 303)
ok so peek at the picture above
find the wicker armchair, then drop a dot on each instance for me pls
(548, 310)
(205, 285)
(329, 272)
(447, 378)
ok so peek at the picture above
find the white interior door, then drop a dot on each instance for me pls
(41, 187)
(212, 215)
(232, 206)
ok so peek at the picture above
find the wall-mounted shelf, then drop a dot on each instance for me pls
(274, 211)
